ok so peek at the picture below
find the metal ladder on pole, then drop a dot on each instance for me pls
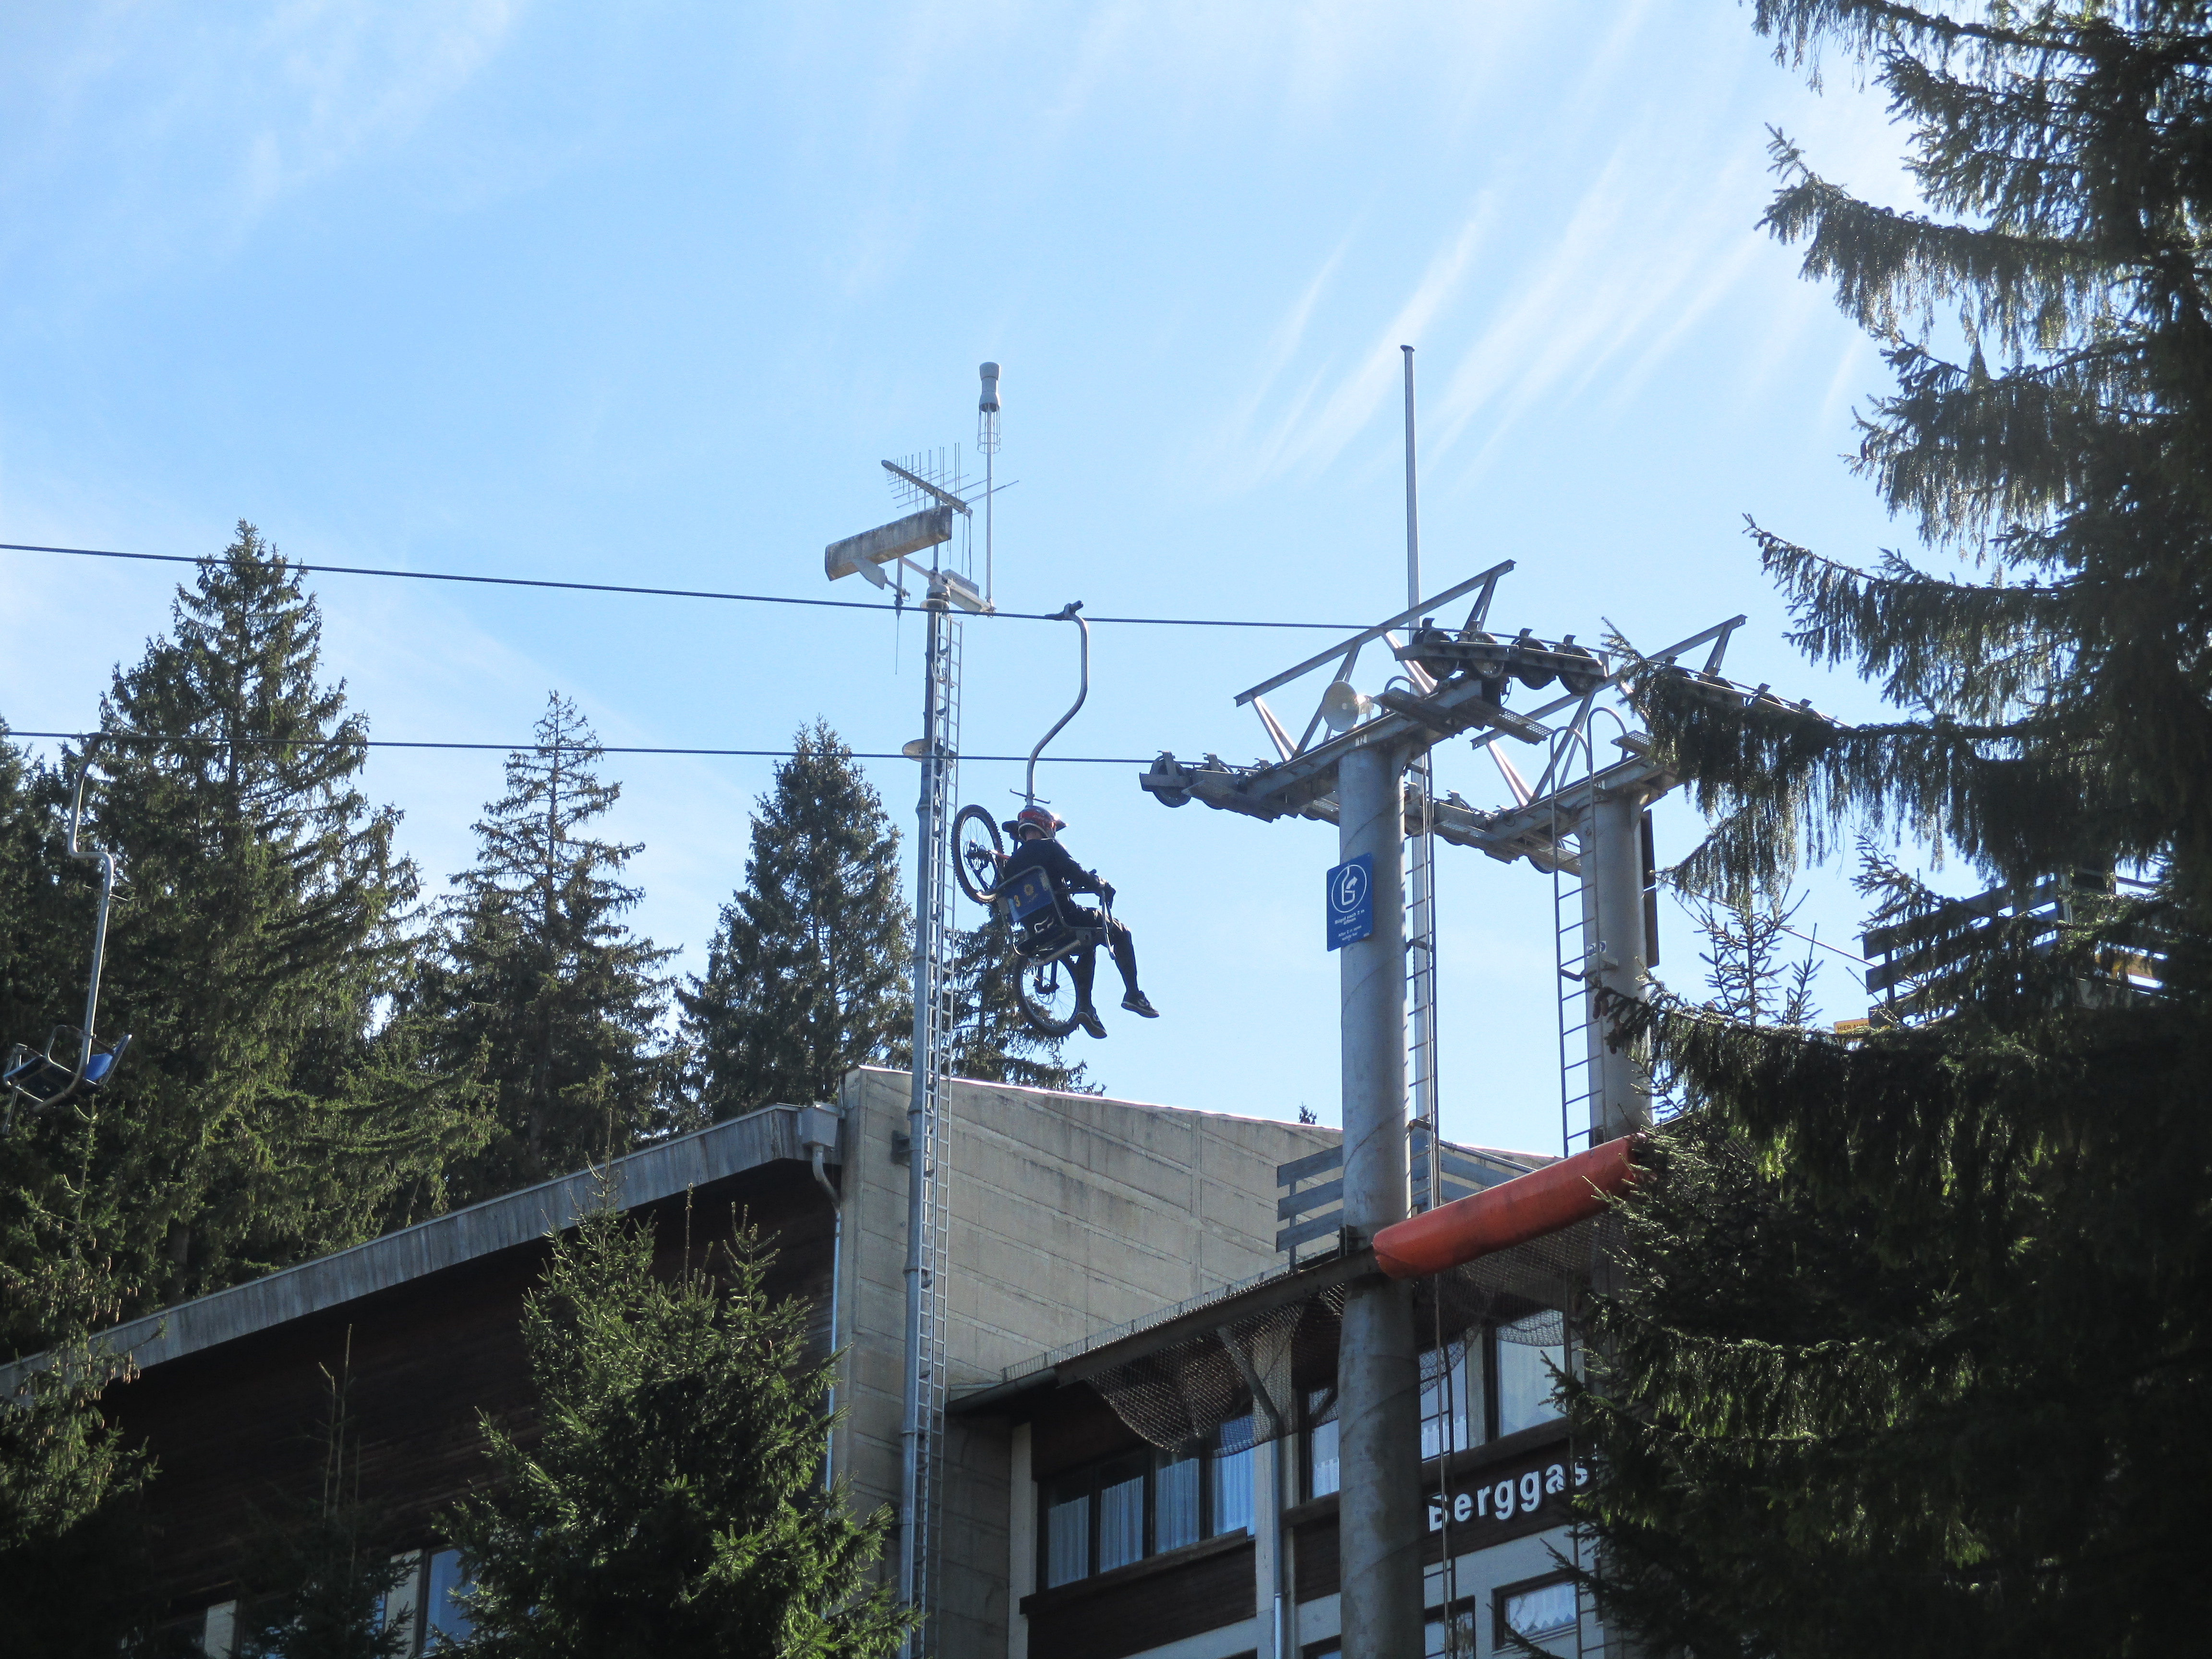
(1574, 951)
(1421, 1107)
(1425, 1125)
(1576, 944)
(944, 997)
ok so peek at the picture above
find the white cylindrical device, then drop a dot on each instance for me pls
(989, 405)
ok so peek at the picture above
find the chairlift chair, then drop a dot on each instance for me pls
(40, 1080)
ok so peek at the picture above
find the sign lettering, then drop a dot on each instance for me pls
(1351, 907)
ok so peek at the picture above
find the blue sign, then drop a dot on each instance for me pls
(1350, 902)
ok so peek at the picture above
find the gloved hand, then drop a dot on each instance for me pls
(1106, 892)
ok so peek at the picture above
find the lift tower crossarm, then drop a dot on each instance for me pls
(1486, 580)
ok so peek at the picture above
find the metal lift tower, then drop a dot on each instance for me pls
(1584, 821)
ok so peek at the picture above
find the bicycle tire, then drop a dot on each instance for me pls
(1041, 1014)
(982, 893)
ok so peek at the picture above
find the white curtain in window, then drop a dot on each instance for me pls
(1175, 1485)
(1525, 1370)
(1122, 1524)
(1233, 1478)
(1067, 1541)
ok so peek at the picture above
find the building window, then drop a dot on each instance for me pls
(1446, 1423)
(1536, 1612)
(1320, 1442)
(1068, 1531)
(1175, 1490)
(1141, 1504)
(448, 1619)
(1232, 1463)
(1525, 1368)
(1449, 1635)
(1122, 1512)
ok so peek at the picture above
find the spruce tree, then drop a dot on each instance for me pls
(545, 998)
(806, 977)
(262, 925)
(993, 1042)
(672, 1502)
(1911, 1343)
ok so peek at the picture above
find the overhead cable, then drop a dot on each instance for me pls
(158, 737)
(655, 592)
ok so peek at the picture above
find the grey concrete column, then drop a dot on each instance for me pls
(1270, 1497)
(1378, 1369)
(1613, 913)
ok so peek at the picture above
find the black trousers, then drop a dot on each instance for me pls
(1084, 965)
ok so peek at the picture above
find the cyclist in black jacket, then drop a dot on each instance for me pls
(1034, 829)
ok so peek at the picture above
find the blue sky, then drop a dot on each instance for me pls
(642, 293)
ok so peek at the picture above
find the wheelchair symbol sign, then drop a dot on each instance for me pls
(1350, 902)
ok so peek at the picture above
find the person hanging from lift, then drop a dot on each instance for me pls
(1034, 831)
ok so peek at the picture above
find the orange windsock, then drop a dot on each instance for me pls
(1512, 1212)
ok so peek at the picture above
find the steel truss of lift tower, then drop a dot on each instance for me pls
(1581, 819)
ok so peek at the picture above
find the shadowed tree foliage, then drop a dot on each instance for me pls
(270, 1109)
(72, 1538)
(323, 1568)
(806, 977)
(673, 1505)
(543, 996)
(1910, 1352)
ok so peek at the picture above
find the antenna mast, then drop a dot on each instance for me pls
(927, 481)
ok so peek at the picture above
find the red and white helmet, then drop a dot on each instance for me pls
(1036, 817)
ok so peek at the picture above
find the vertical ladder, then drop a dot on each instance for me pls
(1421, 1103)
(935, 1152)
(1440, 1584)
(1574, 955)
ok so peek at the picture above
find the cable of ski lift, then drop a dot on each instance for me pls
(892, 608)
(157, 738)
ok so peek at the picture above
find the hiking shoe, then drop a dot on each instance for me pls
(1136, 1003)
(1087, 1017)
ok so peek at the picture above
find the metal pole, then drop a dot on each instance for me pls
(917, 1138)
(1612, 911)
(1378, 1372)
(1412, 498)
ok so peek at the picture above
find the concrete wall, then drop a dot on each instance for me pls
(1071, 1213)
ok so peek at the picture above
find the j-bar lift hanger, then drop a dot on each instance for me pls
(39, 1080)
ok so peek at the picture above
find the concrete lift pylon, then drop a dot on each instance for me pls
(1355, 779)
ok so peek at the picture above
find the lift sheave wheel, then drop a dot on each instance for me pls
(977, 852)
(1046, 991)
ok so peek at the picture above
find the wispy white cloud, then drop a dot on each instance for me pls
(1311, 427)
(170, 128)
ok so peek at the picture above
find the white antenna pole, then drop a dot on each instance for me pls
(987, 440)
(1413, 496)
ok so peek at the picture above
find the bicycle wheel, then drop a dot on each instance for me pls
(976, 849)
(1046, 991)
